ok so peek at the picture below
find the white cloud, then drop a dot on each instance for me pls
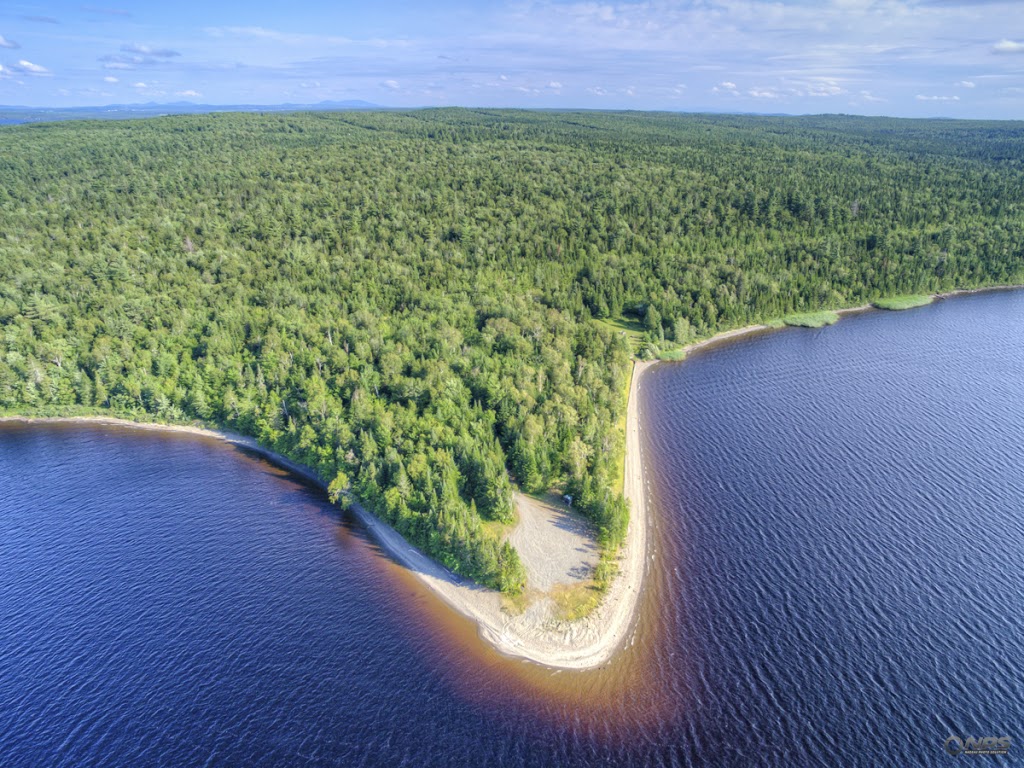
(5, 43)
(29, 68)
(922, 97)
(120, 61)
(262, 32)
(139, 85)
(109, 79)
(145, 50)
(1008, 46)
(300, 38)
(802, 53)
(823, 87)
(190, 93)
(794, 55)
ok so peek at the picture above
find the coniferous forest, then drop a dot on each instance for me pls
(423, 306)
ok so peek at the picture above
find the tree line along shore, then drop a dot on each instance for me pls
(425, 308)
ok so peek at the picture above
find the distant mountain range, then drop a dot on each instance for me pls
(14, 114)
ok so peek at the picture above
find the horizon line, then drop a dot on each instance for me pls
(365, 106)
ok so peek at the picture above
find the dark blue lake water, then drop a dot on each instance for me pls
(836, 580)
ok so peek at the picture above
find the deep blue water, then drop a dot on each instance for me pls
(837, 580)
(848, 508)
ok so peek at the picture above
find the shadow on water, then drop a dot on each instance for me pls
(627, 693)
(641, 686)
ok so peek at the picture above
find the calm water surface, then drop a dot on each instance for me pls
(837, 580)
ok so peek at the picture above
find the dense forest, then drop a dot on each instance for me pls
(421, 306)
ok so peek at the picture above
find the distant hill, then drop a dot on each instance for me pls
(15, 114)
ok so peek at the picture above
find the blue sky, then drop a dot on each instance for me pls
(893, 57)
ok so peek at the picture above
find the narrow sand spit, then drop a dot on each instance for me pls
(535, 634)
(557, 548)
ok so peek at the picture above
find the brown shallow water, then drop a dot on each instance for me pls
(834, 581)
(120, 495)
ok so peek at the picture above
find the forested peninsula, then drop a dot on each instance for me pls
(430, 308)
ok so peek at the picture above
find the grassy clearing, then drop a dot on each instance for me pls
(576, 601)
(515, 605)
(672, 354)
(498, 529)
(903, 302)
(631, 328)
(811, 319)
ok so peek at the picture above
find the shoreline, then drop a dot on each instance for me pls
(749, 330)
(532, 636)
(584, 644)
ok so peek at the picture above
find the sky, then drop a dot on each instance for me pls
(912, 58)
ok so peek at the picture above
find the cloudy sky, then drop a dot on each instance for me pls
(894, 57)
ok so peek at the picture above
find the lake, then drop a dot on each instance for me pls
(836, 580)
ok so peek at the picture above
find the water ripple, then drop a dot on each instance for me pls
(837, 582)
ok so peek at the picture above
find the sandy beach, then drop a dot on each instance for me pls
(546, 537)
(535, 634)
